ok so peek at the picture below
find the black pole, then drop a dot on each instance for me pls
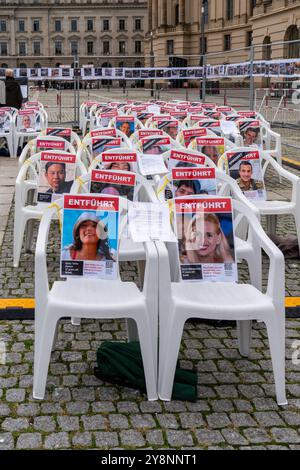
(202, 61)
(152, 62)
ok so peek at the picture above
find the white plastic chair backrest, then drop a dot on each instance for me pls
(223, 161)
(54, 211)
(207, 161)
(240, 212)
(119, 133)
(137, 123)
(12, 111)
(98, 160)
(75, 139)
(7, 120)
(31, 104)
(34, 160)
(86, 148)
(227, 142)
(42, 124)
(81, 185)
(180, 139)
(30, 148)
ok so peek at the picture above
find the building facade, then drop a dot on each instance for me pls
(230, 28)
(51, 32)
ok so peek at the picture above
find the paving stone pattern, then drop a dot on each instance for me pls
(235, 409)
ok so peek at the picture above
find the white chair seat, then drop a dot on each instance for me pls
(85, 296)
(222, 299)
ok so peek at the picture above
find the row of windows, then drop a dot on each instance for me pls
(36, 25)
(226, 43)
(74, 48)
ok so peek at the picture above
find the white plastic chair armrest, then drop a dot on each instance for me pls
(276, 284)
(281, 171)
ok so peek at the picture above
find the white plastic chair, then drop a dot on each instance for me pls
(31, 147)
(7, 132)
(25, 211)
(85, 152)
(91, 298)
(272, 208)
(84, 117)
(75, 139)
(179, 301)
(127, 141)
(19, 136)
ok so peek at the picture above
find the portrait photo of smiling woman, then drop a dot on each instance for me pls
(90, 240)
(204, 241)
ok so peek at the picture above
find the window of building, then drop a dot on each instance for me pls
(2, 26)
(21, 26)
(57, 26)
(74, 47)
(36, 25)
(249, 37)
(138, 24)
(170, 47)
(105, 25)
(106, 47)
(73, 25)
(58, 48)
(252, 6)
(121, 47)
(3, 48)
(176, 14)
(229, 9)
(22, 48)
(227, 42)
(138, 47)
(90, 25)
(205, 45)
(36, 48)
(122, 25)
(90, 47)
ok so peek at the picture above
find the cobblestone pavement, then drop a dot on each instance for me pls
(235, 409)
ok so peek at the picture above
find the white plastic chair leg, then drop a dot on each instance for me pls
(55, 336)
(132, 331)
(10, 146)
(168, 355)
(278, 356)
(244, 336)
(44, 338)
(271, 224)
(297, 223)
(19, 229)
(148, 358)
(29, 235)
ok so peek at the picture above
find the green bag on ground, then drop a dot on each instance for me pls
(121, 363)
